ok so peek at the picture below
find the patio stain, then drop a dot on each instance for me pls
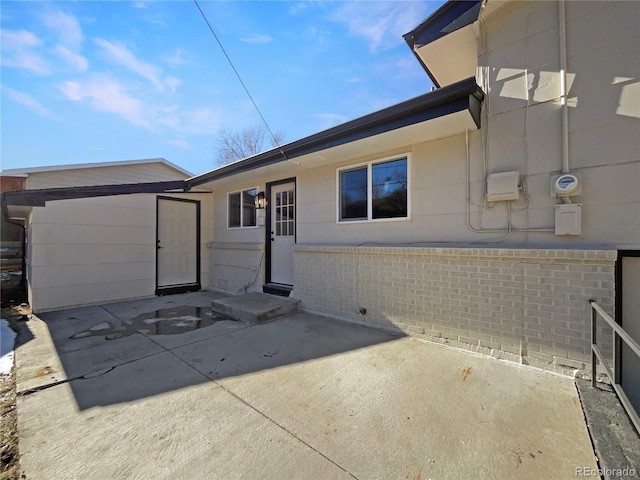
(166, 321)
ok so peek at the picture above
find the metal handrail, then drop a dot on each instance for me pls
(596, 311)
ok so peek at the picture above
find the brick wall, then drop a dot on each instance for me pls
(525, 305)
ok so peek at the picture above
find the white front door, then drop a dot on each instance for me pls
(283, 232)
(177, 245)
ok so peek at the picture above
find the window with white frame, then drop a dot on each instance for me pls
(241, 208)
(374, 191)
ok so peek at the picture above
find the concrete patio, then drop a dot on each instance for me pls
(300, 397)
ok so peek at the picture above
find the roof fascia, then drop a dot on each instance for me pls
(79, 166)
(452, 16)
(444, 101)
(38, 198)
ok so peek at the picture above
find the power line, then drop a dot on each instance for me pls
(275, 140)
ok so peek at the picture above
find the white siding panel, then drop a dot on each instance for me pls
(590, 30)
(615, 56)
(90, 294)
(77, 275)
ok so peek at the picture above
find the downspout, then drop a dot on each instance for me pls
(563, 86)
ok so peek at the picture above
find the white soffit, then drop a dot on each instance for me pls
(18, 212)
(453, 57)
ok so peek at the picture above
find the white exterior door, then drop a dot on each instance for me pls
(177, 245)
(283, 232)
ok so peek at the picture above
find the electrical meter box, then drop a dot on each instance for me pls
(503, 186)
(569, 219)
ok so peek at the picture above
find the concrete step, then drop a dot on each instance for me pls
(255, 307)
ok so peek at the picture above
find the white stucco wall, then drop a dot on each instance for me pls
(96, 250)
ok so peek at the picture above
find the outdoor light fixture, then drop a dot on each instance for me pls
(260, 200)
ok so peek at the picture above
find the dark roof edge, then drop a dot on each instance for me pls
(38, 198)
(431, 105)
(452, 16)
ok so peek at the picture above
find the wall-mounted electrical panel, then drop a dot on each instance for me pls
(503, 186)
(568, 219)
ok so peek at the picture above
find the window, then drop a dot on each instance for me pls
(242, 208)
(375, 191)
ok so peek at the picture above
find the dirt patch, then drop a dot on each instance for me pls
(9, 464)
(14, 310)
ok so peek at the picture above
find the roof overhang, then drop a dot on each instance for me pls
(446, 42)
(39, 198)
(437, 114)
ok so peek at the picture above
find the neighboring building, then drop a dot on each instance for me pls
(89, 246)
(10, 232)
(484, 214)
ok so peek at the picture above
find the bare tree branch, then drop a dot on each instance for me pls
(236, 145)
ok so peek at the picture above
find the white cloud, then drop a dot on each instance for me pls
(19, 51)
(65, 26)
(176, 59)
(69, 35)
(119, 54)
(106, 95)
(203, 121)
(27, 101)
(382, 24)
(74, 60)
(183, 144)
(172, 83)
(328, 120)
(19, 39)
(257, 39)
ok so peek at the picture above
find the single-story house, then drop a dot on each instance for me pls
(484, 214)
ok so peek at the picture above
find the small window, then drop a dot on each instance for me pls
(375, 191)
(242, 208)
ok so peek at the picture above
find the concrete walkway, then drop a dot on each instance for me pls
(302, 397)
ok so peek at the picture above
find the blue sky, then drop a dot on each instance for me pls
(93, 81)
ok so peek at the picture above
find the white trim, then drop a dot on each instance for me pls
(77, 166)
(241, 227)
(369, 165)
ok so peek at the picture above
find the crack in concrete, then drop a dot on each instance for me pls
(86, 376)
